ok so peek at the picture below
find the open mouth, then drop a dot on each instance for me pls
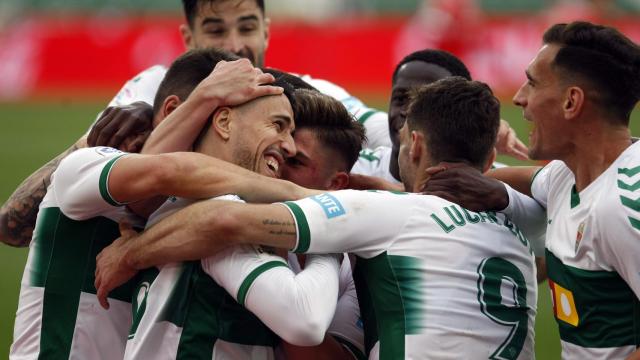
(273, 160)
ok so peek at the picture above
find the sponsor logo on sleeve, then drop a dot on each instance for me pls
(107, 151)
(331, 206)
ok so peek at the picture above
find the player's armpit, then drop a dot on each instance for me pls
(18, 214)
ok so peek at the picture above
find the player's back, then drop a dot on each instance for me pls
(465, 282)
(434, 280)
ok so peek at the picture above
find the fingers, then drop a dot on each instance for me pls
(102, 298)
(109, 129)
(97, 128)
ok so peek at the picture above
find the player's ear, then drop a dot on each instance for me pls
(339, 181)
(187, 36)
(169, 104)
(490, 160)
(416, 152)
(221, 122)
(573, 102)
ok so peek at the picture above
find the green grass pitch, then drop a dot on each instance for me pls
(34, 132)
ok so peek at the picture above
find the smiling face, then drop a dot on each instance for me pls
(238, 26)
(541, 98)
(261, 135)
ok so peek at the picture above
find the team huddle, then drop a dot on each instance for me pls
(219, 209)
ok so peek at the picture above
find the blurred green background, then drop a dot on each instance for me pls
(34, 132)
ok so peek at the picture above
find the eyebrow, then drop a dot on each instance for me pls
(216, 20)
(529, 76)
(286, 118)
(303, 156)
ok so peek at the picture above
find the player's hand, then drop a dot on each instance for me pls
(123, 127)
(634, 356)
(465, 186)
(366, 182)
(507, 142)
(235, 82)
(111, 268)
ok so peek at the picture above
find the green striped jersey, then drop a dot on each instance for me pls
(203, 309)
(434, 280)
(59, 316)
(593, 243)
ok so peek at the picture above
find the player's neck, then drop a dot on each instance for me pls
(594, 151)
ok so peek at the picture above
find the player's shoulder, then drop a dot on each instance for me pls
(85, 156)
(326, 87)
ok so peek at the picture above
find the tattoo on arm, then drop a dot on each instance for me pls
(18, 213)
(277, 227)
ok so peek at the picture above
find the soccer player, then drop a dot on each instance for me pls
(580, 90)
(434, 279)
(192, 327)
(57, 315)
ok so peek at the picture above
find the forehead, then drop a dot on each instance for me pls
(307, 142)
(543, 59)
(228, 10)
(416, 73)
(271, 105)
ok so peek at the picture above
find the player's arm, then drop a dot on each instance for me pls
(297, 307)
(18, 213)
(345, 337)
(134, 177)
(230, 83)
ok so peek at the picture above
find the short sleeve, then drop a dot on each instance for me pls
(620, 238)
(540, 183)
(362, 222)
(80, 183)
(142, 87)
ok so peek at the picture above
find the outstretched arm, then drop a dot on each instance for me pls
(195, 232)
(18, 213)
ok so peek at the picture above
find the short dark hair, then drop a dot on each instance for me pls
(187, 71)
(459, 119)
(602, 57)
(333, 126)
(294, 80)
(191, 8)
(437, 57)
(190, 68)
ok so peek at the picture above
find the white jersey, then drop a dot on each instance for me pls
(144, 86)
(196, 310)
(434, 280)
(375, 163)
(58, 312)
(346, 326)
(593, 246)
(374, 121)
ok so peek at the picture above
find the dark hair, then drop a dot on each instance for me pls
(187, 71)
(191, 8)
(459, 119)
(294, 80)
(437, 57)
(604, 58)
(332, 124)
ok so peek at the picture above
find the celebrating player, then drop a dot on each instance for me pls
(432, 277)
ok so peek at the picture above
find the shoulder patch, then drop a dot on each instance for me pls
(107, 151)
